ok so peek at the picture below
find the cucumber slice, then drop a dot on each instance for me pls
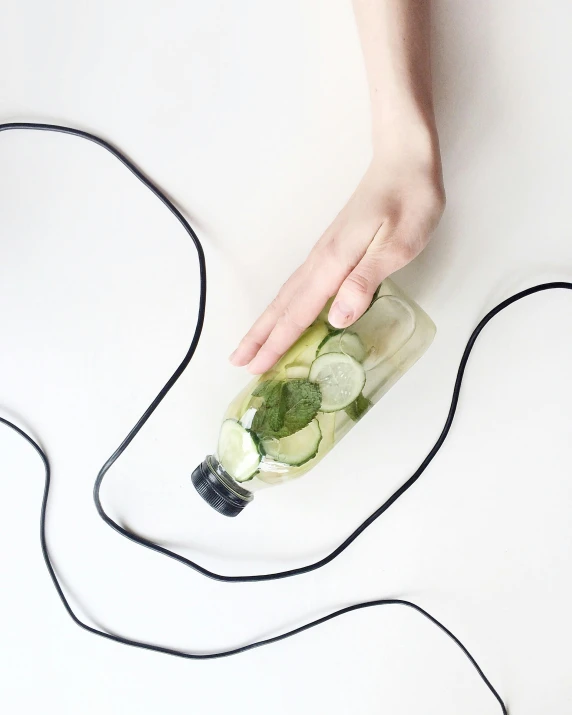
(296, 371)
(327, 421)
(340, 378)
(358, 408)
(384, 329)
(298, 448)
(238, 451)
(304, 349)
(247, 417)
(343, 342)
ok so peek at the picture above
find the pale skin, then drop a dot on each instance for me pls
(395, 208)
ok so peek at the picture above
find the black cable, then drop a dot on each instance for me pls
(155, 403)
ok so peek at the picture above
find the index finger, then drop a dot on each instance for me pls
(259, 332)
(299, 313)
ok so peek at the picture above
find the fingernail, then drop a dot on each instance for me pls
(340, 314)
(232, 356)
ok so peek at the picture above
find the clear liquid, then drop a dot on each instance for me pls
(393, 334)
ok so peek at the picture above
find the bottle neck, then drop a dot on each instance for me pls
(216, 467)
(218, 489)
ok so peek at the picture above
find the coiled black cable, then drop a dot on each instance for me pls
(155, 403)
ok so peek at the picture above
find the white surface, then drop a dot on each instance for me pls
(254, 116)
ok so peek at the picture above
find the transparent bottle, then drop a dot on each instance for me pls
(286, 420)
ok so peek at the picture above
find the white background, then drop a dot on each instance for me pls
(254, 117)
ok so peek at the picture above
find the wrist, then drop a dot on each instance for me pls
(405, 135)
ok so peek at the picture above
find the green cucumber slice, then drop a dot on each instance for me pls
(358, 408)
(327, 421)
(343, 342)
(304, 349)
(340, 378)
(298, 448)
(384, 329)
(247, 417)
(238, 451)
(297, 371)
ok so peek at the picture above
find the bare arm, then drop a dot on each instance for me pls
(398, 203)
(394, 36)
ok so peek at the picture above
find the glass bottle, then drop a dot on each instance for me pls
(285, 421)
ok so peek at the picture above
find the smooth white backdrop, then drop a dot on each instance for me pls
(254, 117)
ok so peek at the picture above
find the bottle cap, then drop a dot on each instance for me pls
(219, 490)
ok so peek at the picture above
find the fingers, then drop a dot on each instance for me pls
(258, 334)
(299, 313)
(385, 255)
(347, 263)
(286, 331)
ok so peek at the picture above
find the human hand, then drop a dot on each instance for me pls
(385, 224)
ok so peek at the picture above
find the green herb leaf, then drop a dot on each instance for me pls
(358, 407)
(265, 389)
(287, 408)
(302, 400)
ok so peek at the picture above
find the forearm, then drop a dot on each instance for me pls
(395, 39)
(396, 206)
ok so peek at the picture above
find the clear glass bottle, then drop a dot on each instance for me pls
(286, 420)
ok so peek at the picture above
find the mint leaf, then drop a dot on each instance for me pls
(302, 400)
(265, 389)
(357, 409)
(287, 407)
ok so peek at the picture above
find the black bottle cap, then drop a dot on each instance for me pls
(219, 490)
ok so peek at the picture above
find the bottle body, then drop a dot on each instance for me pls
(285, 421)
